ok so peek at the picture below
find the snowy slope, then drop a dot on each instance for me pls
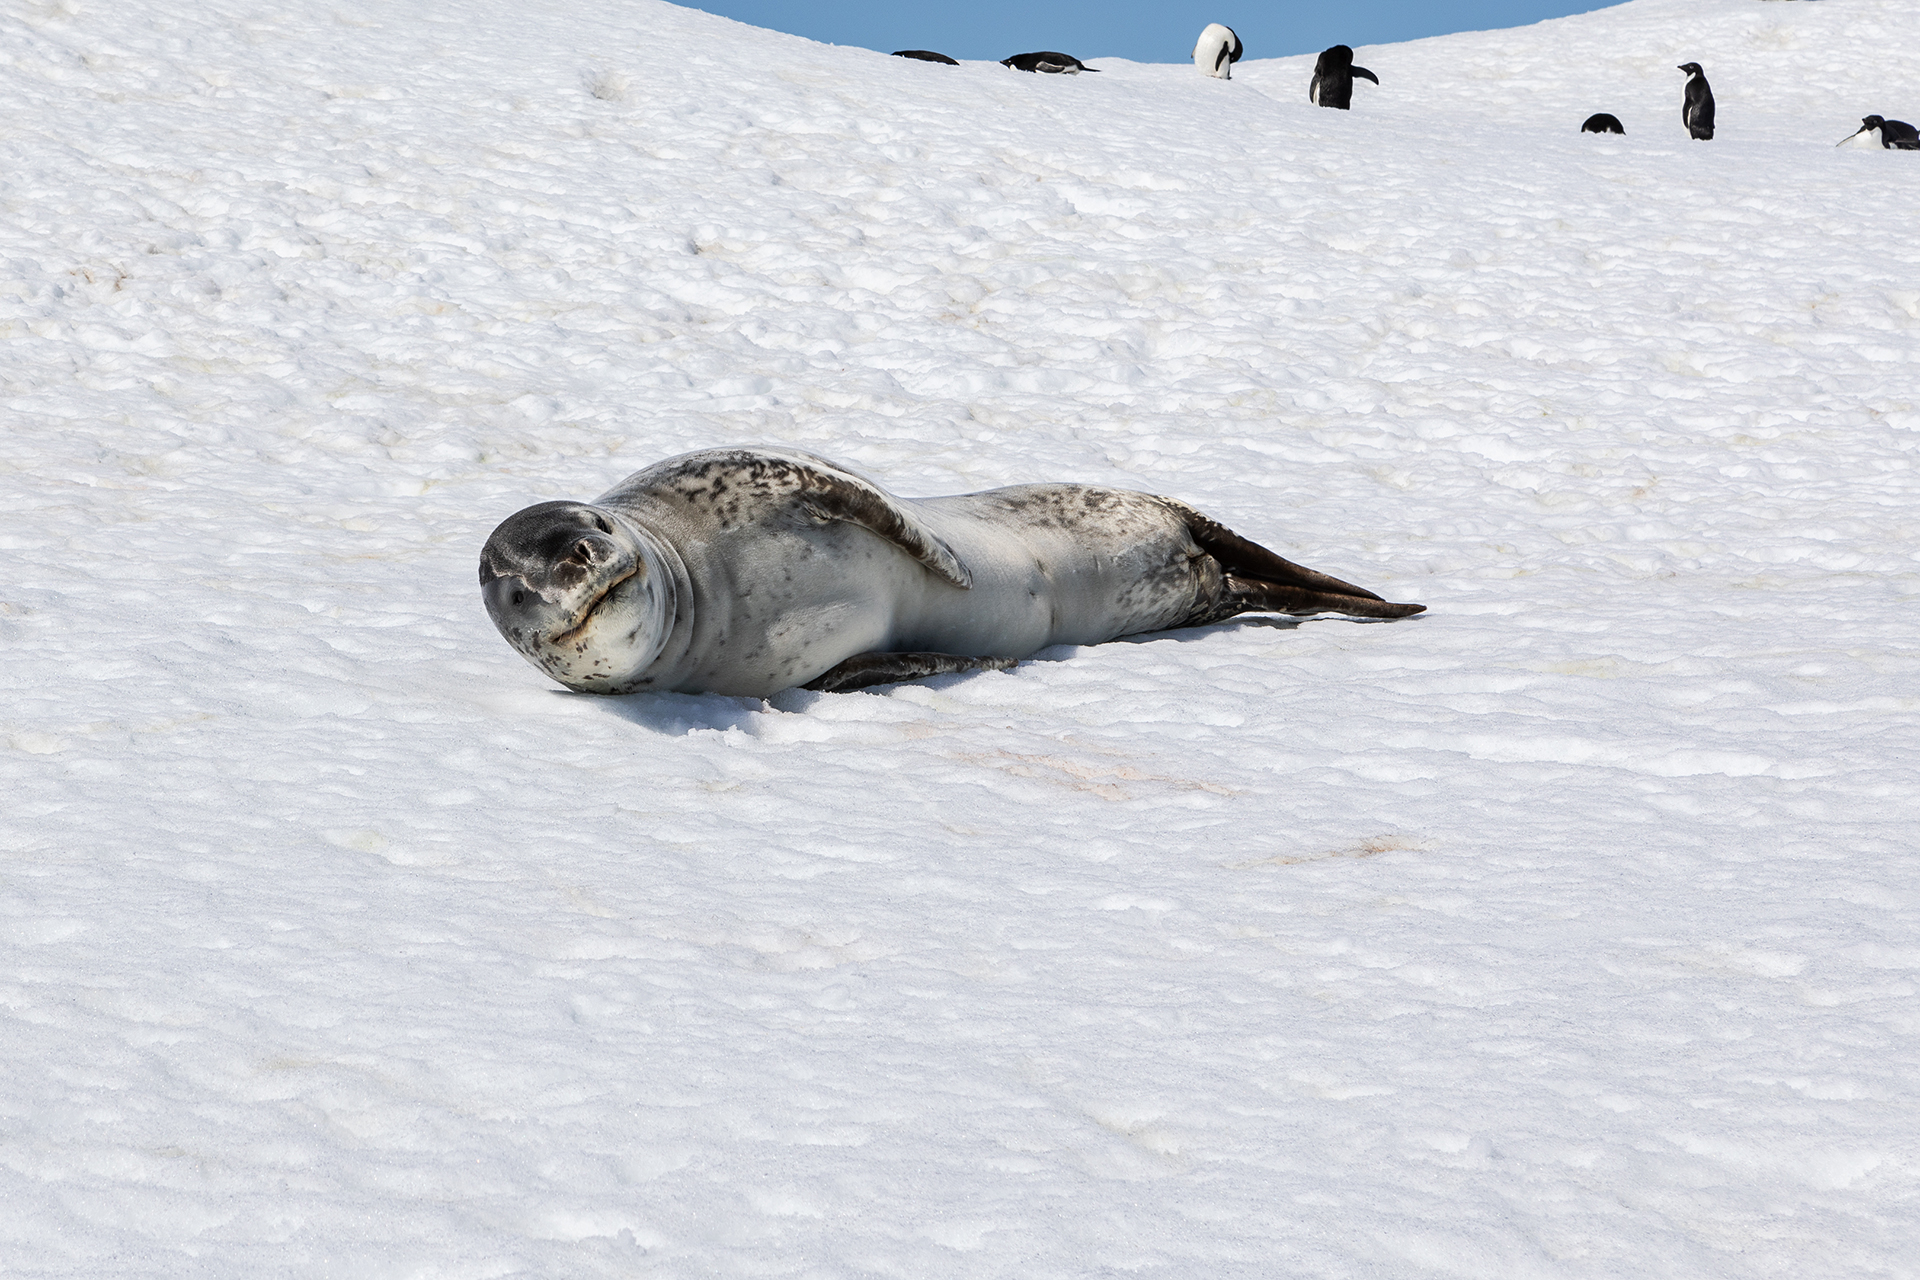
(1571, 929)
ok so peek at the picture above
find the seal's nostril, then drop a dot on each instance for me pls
(519, 598)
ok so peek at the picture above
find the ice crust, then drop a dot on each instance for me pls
(1566, 931)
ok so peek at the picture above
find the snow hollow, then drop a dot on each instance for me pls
(1569, 930)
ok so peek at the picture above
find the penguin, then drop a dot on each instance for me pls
(1054, 64)
(1333, 75)
(925, 55)
(1697, 109)
(1894, 135)
(1602, 122)
(1216, 51)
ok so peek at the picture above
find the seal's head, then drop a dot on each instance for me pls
(581, 591)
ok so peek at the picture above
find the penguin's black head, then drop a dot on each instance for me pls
(1871, 122)
(1340, 55)
(1691, 68)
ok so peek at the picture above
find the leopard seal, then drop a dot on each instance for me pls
(745, 571)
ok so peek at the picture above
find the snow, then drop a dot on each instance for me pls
(1568, 930)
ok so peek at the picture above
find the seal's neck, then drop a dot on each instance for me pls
(658, 645)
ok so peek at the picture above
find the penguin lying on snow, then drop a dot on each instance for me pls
(1333, 75)
(1697, 109)
(1602, 122)
(1894, 135)
(1216, 51)
(925, 55)
(1053, 64)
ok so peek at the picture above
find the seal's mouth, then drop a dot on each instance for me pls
(587, 612)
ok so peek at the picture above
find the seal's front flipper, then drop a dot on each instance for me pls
(1261, 581)
(829, 491)
(719, 480)
(866, 669)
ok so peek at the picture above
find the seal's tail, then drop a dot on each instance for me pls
(1264, 582)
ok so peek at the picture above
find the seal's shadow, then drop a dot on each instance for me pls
(1264, 621)
(678, 714)
(1186, 635)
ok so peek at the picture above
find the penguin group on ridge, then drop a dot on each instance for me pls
(1696, 108)
(1219, 47)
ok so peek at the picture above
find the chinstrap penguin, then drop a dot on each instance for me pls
(1333, 74)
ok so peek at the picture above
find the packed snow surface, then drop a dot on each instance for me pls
(1572, 929)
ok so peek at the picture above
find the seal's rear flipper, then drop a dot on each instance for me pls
(1259, 596)
(866, 669)
(1265, 582)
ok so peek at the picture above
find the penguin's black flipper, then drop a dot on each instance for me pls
(1362, 71)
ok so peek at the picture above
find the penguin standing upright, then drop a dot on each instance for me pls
(1216, 51)
(1894, 135)
(1697, 108)
(1333, 74)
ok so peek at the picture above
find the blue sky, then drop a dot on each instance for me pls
(1144, 32)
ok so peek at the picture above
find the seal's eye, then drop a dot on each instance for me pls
(601, 523)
